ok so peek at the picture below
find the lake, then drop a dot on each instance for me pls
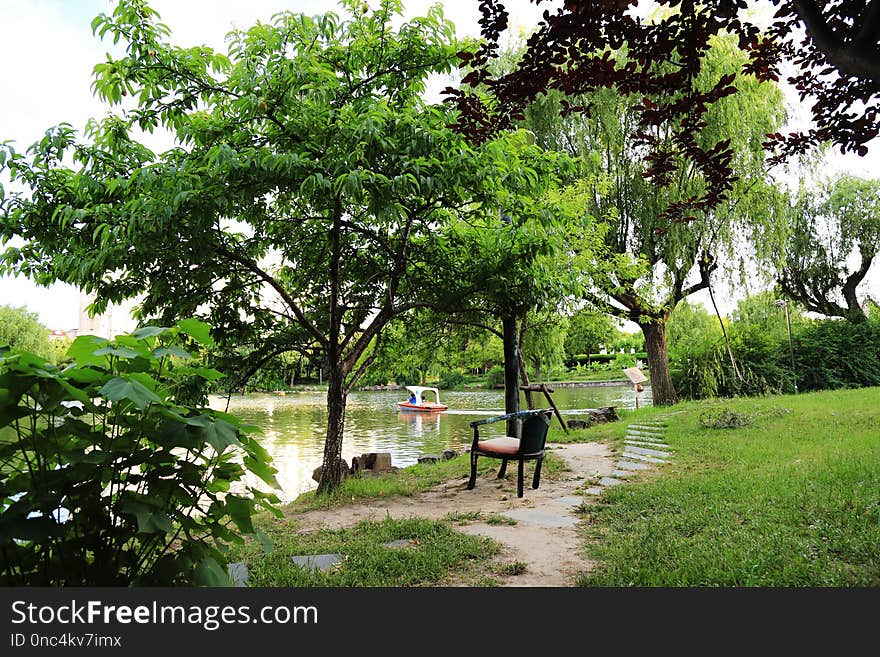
(294, 424)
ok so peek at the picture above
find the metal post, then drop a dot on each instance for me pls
(790, 346)
(783, 303)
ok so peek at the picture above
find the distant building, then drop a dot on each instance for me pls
(61, 334)
(114, 321)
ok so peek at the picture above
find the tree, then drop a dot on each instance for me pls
(587, 330)
(691, 329)
(309, 198)
(23, 330)
(543, 342)
(578, 49)
(825, 229)
(651, 261)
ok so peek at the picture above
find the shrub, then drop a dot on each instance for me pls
(495, 377)
(836, 353)
(724, 419)
(451, 379)
(107, 479)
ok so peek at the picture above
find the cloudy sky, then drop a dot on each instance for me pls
(47, 52)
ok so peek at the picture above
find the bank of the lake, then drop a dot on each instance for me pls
(294, 424)
(789, 498)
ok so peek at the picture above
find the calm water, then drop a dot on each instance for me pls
(294, 425)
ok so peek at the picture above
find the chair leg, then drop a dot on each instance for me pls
(473, 479)
(503, 469)
(519, 479)
(537, 478)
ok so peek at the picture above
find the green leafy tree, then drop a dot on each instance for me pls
(691, 327)
(23, 330)
(543, 342)
(660, 245)
(110, 477)
(586, 331)
(826, 228)
(309, 198)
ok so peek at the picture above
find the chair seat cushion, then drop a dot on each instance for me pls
(499, 446)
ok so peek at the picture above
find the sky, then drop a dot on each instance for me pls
(47, 53)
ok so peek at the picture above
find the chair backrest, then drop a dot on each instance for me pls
(534, 433)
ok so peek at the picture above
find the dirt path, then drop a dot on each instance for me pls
(545, 536)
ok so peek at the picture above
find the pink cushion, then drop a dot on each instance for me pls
(499, 446)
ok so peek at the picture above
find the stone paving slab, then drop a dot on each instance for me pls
(610, 481)
(649, 452)
(594, 490)
(622, 473)
(629, 465)
(568, 500)
(541, 518)
(642, 457)
(317, 561)
(238, 572)
(399, 543)
(647, 434)
(648, 427)
(645, 443)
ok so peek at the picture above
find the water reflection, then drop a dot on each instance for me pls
(294, 425)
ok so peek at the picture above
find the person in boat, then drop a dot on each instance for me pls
(412, 398)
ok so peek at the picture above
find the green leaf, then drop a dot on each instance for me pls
(120, 388)
(122, 352)
(210, 573)
(82, 350)
(197, 330)
(149, 332)
(239, 509)
(172, 350)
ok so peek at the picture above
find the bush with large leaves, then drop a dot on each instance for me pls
(108, 478)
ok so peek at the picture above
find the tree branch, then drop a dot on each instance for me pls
(860, 58)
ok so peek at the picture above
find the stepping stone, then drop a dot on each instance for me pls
(644, 443)
(648, 427)
(622, 473)
(594, 490)
(642, 457)
(238, 573)
(629, 465)
(317, 561)
(541, 518)
(642, 432)
(399, 543)
(568, 500)
(648, 452)
(649, 439)
(608, 481)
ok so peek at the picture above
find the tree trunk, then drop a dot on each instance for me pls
(511, 372)
(662, 390)
(331, 474)
(523, 373)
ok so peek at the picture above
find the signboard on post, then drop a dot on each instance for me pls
(636, 375)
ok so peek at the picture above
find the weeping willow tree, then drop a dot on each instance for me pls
(833, 236)
(661, 242)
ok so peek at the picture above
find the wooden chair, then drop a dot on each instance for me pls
(529, 446)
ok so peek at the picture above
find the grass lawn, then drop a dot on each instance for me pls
(790, 499)
(433, 551)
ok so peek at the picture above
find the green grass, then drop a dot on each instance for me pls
(790, 499)
(435, 553)
(512, 569)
